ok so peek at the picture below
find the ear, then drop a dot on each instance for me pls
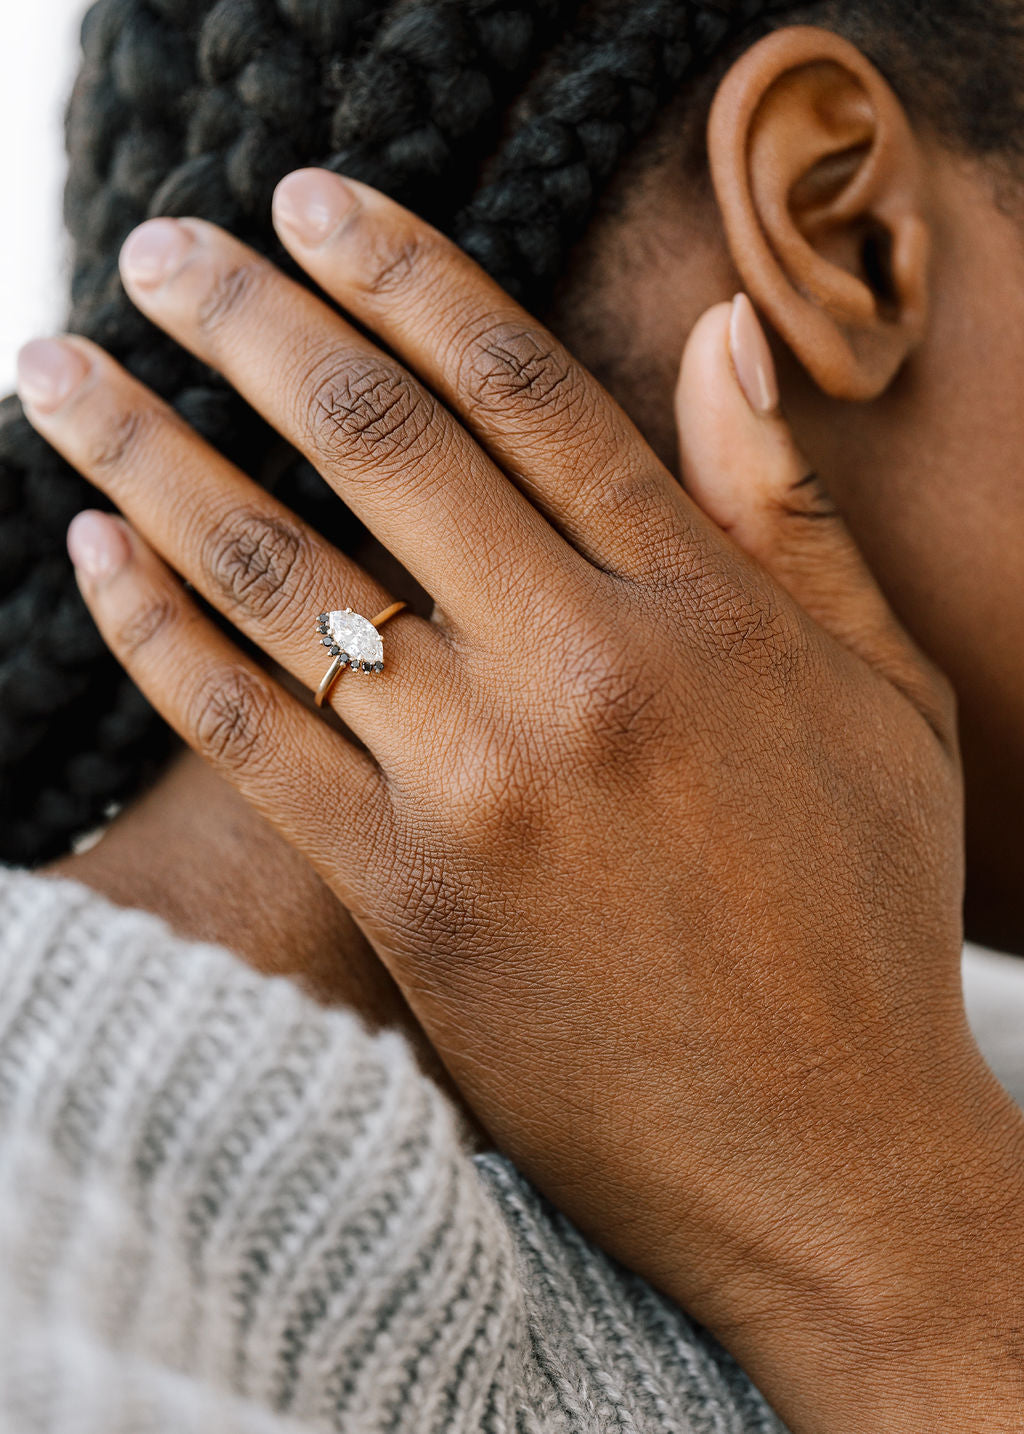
(820, 183)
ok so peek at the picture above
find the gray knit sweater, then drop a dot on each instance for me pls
(224, 1209)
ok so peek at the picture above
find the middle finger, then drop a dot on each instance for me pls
(383, 442)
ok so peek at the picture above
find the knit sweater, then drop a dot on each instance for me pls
(224, 1209)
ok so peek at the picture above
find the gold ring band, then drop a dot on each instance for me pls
(342, 659)
(388, 614)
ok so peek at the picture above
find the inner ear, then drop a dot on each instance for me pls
(816, 191)
(813, 202)
(879, 271)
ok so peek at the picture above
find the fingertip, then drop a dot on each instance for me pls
(99, 545)
(154, 251)
(50, 371)
(721, 440)
(728, 360)
(737, 453)
(311, 204)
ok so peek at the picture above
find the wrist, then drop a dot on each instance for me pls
(898, 1310)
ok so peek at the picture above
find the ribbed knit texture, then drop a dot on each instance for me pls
(225, 1209)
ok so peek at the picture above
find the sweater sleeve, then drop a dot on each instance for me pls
(223, 1208)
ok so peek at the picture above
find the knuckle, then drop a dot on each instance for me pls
(432, 911)
(807, 501)
(230, 719)
(117, 444)
(369, 408)
(613, 699)
(615, 708)
(254, 560)
(487, 793)
(232, 289)
(735, 617)
(511, 366)
(390, 261)
(626, 493)
(150, 619)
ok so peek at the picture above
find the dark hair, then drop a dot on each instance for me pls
(501, 121)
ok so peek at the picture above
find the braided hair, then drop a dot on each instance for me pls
(501, 121)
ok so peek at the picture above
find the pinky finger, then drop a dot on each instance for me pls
(325, 796)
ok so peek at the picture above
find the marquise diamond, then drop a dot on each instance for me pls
(356, 636)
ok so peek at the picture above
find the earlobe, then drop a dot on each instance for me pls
(820, 184)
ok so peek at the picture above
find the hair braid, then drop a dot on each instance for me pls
(417, 115)
(502, 121)
(544, 183)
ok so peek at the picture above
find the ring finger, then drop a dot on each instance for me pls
(324, 795)
(254, 560)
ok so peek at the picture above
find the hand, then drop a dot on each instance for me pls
(190, 850)
(670, 874)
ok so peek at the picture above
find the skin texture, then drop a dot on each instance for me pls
(781, 881)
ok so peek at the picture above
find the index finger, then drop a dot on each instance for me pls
(546, 422)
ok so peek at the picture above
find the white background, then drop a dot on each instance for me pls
(38, 57)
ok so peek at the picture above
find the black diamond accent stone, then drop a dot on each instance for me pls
(327, 642)
(344, 657)
(378, 667)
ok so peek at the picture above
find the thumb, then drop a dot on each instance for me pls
(740, 463)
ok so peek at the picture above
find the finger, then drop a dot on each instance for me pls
(741, 464)
(325, 796)
(414, 475)
(540, 415)
(255, 561)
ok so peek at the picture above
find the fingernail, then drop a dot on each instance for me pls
(752, 358)
(97, 544)
(312, 203)
(154, 251)
(49, 371)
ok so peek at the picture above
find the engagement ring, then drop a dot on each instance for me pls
(352, 641)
